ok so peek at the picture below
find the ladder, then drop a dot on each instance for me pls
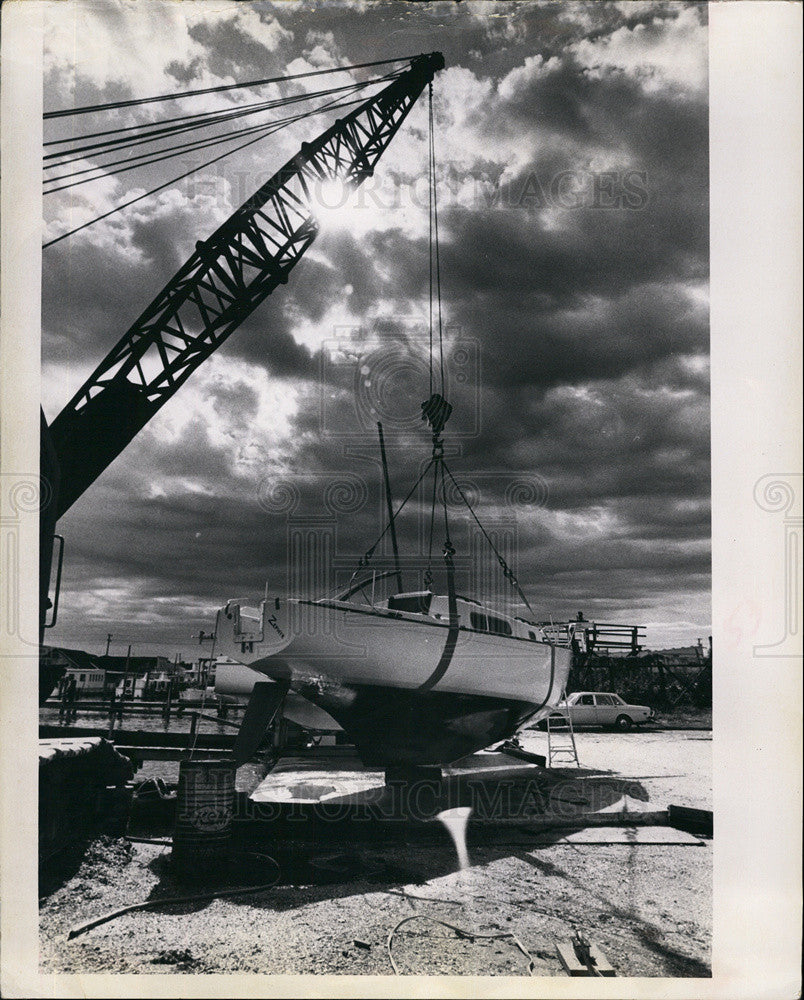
(561, 738)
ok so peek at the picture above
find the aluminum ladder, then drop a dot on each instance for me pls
(561, 738)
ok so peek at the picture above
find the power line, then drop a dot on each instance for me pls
(219, 89)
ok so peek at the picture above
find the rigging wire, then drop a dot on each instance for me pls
(173, 180)
(127, 163)
(435, 227)
(198, 121)
(162, 121)
(369, 553)
(154, 190)
(431, 181)
(135, 102)
(508, 573)
(170, 152)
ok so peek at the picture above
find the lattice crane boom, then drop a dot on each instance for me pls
(225, 279)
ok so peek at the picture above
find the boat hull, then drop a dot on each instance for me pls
(391, 727)
(407, 689)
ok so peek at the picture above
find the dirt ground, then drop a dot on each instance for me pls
(647, 905)
(674, 767)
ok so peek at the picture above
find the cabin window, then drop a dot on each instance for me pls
(82, 677)
(478, 621)
(417, 603)
(532, 635)
(499, 626)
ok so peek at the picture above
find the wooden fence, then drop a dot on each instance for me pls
(646, 680)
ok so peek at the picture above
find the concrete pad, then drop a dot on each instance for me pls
(627, 835)
(320, 785)
(626, 804)
(497, 791)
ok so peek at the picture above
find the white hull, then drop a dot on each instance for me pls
(346, 644)
(410, 687)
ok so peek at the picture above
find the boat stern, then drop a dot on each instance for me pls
(247, 633)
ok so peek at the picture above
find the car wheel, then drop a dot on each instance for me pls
(624, 722)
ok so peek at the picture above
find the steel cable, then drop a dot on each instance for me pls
(135, 102)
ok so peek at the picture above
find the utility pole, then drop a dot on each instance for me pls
(125, 678)
(108, 641)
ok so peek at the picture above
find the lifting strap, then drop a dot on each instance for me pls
(454, 622)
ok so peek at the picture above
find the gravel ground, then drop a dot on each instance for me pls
(674, 767)
(648, 906)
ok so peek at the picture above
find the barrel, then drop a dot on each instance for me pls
(202, 837)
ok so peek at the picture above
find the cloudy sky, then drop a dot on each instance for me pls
(571, 141)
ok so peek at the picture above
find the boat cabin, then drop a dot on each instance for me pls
(473, 615)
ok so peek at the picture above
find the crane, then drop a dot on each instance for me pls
(224, 280)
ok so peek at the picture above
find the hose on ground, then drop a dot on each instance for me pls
(461, 932)
(173, 900)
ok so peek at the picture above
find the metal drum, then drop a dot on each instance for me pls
(204, 812)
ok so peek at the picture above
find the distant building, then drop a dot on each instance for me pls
(200, 674)
(150, 678)
(90, 676)
(138, 666)
(132, 675)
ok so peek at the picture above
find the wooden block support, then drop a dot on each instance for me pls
(574, 967)
(699, 821)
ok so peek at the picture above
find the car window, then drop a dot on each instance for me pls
(604, 699)
(617, 700)
(586, 699)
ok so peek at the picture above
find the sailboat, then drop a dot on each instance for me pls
(417, 678)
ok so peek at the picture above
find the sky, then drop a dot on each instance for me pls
(572, 179)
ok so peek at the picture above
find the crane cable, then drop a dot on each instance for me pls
(435, 294)
(434, 241)
(177, 126)
(436, 410)
(137, 102)
(508, 573)
(105, 215)
(170, 152)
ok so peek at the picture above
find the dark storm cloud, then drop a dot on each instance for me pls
(589, 322)
(265, 338)
(541, 347)
(231, 50)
